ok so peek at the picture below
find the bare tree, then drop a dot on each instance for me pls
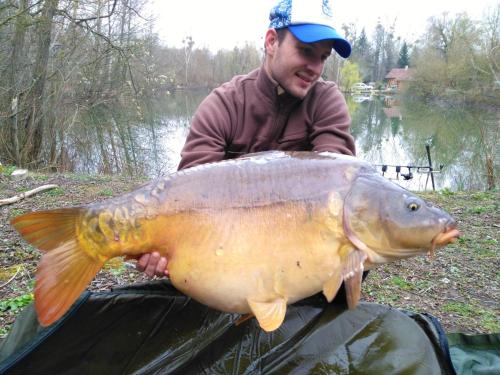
(13, 80)
(188, 43)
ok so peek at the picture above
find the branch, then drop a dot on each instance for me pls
(17, 198)
(20, 12)
(120, 50)
(84, 24)
(78, 21)
(12, 278)
(135, 11)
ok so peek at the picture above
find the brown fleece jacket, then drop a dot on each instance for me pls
(248, 115)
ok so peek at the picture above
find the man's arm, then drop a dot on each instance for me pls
(205, 143)
(209, 133)
(331, 128)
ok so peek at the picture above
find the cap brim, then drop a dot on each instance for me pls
(312, 33)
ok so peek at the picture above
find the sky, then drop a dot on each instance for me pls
(223, 24)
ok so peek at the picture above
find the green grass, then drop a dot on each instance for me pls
(84, 178)
(487, 318)
(490, 321)
(41, 177)
(16, 212)
(446, 192)
(7, 170)
(106, 193)
(16, 303)
(56, 192)
(477, 210)
(481, 196)
(116, 266)
(422, 284)
(484, 252)
(80, 177)
(401, 283)
(462, 309)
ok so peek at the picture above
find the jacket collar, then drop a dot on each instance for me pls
(271, 89)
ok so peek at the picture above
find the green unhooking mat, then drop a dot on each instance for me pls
(477, 354)
(153, 329)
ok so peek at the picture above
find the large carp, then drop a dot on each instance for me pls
(249, 235)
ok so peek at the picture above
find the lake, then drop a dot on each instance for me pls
(390, 132)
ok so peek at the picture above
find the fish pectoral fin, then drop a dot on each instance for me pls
(270, 315)
(353, 275)
(332, 285)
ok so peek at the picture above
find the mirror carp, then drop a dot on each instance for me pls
(248, 235)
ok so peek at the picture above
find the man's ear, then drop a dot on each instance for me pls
(271, 41)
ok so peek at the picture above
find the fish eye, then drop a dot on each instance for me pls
(413, 206)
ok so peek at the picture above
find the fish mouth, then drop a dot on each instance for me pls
(449, 235)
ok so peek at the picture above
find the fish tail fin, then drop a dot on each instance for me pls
(65, 269)
(62, 275)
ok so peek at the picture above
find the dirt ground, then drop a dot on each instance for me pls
(460, 286)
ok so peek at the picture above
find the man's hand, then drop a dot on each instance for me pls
(152, 264)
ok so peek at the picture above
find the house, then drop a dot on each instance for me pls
(397, 79)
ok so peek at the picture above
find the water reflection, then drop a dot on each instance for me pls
(146, 138)
(392, 131)
(134, 138)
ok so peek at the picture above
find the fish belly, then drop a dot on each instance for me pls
(260, 253)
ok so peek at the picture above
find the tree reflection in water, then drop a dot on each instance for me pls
(147, 139)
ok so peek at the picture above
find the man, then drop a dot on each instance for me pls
(283, 105)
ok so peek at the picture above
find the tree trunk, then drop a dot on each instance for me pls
(490, 172)
(12, 80)
(34, 116)
(113, 148)
(106, 166)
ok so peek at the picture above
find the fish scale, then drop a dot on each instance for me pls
(249, 235)
(259, 182)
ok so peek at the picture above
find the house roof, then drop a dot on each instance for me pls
(404, 74)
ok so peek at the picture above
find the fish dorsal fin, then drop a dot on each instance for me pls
(270, 314)
(353, 275)
(332, 285)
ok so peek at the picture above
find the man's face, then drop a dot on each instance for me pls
(296, 66)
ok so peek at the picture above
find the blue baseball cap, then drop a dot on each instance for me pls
(309, 21)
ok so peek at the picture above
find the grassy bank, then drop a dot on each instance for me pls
(460, 286)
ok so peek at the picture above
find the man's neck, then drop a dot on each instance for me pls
(279, 90)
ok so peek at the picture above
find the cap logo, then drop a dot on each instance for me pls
(309, 21)
(281, 14)
(327, 11)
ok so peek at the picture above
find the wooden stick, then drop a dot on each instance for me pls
(17, 198)
(12, 278)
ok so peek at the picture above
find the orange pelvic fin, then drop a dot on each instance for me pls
(332, 286)
(270, 314)
(65, 269)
